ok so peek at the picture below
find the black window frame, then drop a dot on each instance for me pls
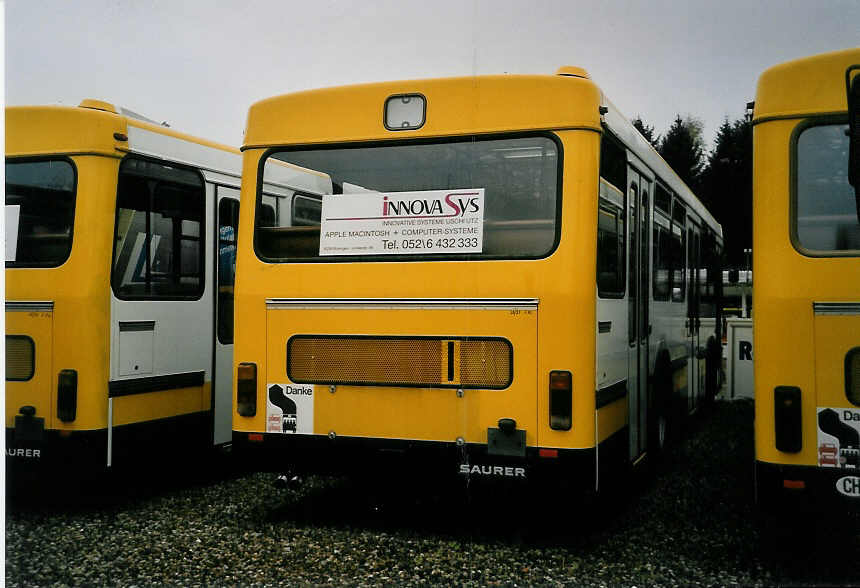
(41, 159)
(678, 253)
(633, 283)
(662, 195)
(621, 253)
(443, 257)
(199, 292)
(848, 382)
(804, 125)
(221, 323)
(613, 169)
(661, 257)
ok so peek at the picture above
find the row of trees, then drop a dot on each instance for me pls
(722, 177)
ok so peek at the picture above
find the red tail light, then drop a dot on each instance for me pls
(560, 400)
(67, 395)
(246, 389)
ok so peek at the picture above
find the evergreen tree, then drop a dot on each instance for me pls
(647, 131)
(682, 149)
(727, 187)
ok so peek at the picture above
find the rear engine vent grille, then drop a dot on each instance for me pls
(20, 358)
(485, 363)
(400, 361)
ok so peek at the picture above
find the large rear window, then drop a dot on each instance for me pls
(40, 212)
(518, 178)
(826, 221)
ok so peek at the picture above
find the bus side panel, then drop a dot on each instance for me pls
(78, 337)
(782, 328)
(568, 293)
(29, 337)
(796, 346)
(166, 338)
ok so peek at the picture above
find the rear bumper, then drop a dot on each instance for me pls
(419, 461)
(56, 450)
(171, 439)
(805, 488)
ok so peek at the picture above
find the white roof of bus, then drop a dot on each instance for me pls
(622, 128)
(287, 175)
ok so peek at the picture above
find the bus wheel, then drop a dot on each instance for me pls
(661, 407)
(713, 359)
(662, 426)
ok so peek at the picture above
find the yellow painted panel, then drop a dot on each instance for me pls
(564, 332)
(161, 404)
(414, 413)
(39, 390)
(80, 291)
(793, 346)
(611, 418)
(37, 130)
(455, 106)
(835, 336)
(810, 84)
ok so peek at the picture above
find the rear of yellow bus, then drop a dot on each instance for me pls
(61, 169)
(807, 285)
(438, 316)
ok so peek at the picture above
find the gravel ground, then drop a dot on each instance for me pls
(690, 522)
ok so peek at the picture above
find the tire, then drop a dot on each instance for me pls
(661, 408)
(713, 359)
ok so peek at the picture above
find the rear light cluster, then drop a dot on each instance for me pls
(560, 400)
(67, 395)
(246, 389)
(787, 419)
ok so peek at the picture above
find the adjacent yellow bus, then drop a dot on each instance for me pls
(495, 278)
(120, 256)
(806, 255)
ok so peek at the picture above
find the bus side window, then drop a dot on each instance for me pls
(662, 261)
(613, 161)
(708, 267)
(160, 209)
(610, 252)
(632, 290)
(228, 231)
(678, 248)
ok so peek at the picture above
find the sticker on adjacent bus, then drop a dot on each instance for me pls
(402, 223)
(839, 438)
(290, 408)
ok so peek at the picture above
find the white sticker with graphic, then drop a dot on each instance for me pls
(839, 438)
(402, 223)
(290, 408)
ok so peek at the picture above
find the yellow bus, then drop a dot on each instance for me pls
(806, 245)
(497, 279)
(120, 258)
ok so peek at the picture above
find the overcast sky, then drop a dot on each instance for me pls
(200, 64)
